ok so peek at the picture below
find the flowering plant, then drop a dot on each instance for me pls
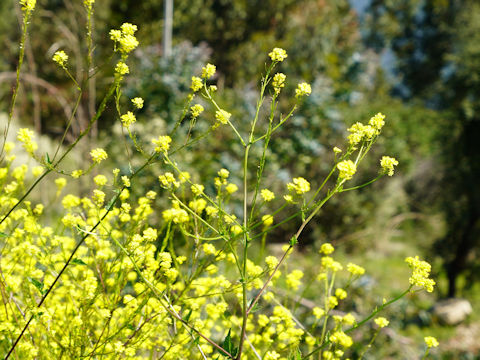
(104, 281)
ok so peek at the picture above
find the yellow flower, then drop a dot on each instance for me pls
(278, 55)
(355, 269)
(196, 110)
(420, 274)
(267, 220)
(303, 89)
(197, 83)
(60, 58)
(299, 185)
(162, 143)
(388, 163)
(223, 173)
(430, 341)
(100, 180)
(121, 68)
(222, 116)
(347, 169)
(137, 102)
(327, 249)
(377, 121)
(231, 188)
(381, 322)
(28, 5)
(278, 82)
(339, 337)
(98, 155)
(267, 195)
(208, 71)
(128, 119)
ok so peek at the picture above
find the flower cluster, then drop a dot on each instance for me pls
(347, 169)
(60, 58)
(420, 273)
(125, 40)
(278, 55)
(299, 186)
(388, 165)
(98, 155)
(162, 143)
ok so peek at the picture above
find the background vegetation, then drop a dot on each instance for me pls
(417, 61)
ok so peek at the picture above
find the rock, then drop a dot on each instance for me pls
(452, 311)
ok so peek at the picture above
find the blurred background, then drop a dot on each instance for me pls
(417, 61)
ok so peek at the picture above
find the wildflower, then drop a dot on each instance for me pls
(121, 68)
(349, 319)
(299, 185)
(278, 82)
(126, 181)
(332, 302)
(327, 249)
(430, 341)
(222, 116)
(209, 249)
(337, 150)
(198, 205)
(100, 180)
(278, 55)
(88, 4)
(28, 5)
(355, 269)
(388, 163)
(125, 38)
(347, 169)
(381, 322)
(212, 88)
(60, 58)
(77, 173)
(197, 83)
(128, 29)
(98, 155)
(377, 121)
(128, 119)
(223, 173)
(303, 89)
(137, 102)
(293, 279)
(167, 179)
(208, 71)
(128, 43)
(271, 262)
(318, 312)
(340, 293)
(267, 195)
(197, 189)
(196, 110)
(162, 143)
(25, 136)
(420, 274)
(339, 337)
(267, 220)
(211, 211)
(231, 188)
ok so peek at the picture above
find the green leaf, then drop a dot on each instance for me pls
(130, 327)
(78, 261)
(228, 346)
(39, 285)
(47, 159)
(293, 241)
(3, 234)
